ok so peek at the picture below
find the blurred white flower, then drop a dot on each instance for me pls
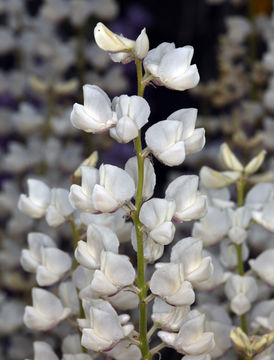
(35, 205)
(47, 311)
(241, 291)
(59, 208)
(43, 351)
(264, 267)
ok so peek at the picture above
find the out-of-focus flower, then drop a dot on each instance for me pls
(59, 208)
(47, 311)
(264, 267)
(35, 205)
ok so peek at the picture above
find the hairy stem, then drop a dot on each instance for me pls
(141, 281)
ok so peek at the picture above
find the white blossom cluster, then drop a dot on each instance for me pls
(217, 279)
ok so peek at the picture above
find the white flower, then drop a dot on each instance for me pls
(240, 219)
(188, 252)
(99, 238)
(241, 291)
(132, 114)
(213, 227)
(190, 205)
(55, 263)
(170, 140)
(11, 316)
(191, 339)
(32, 258)
(46, 312)
(104, 330)
(170, 317)
(96, 114)
(125, 350)
(168, 282)
(103, 191)
(111, 42)
(69, 296)
(116, 272)
(152, 250)
(43, 351)
(265, 216)
(213, 179)
(141, 45)
(264, 267)
(171, 67)
(228, 253)
(131, 168)
(260, 194)
(59, 208)
(35, 205)
(156, 215)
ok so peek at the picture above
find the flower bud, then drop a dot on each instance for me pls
(255, 163)
(111, 42)
(141, 46)
(229, 159)
(215, 179)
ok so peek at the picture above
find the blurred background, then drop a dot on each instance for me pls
(47, 53)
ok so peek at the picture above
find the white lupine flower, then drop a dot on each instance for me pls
(82, 278)
(213, 227)
(68, 295)
(43, 351)
(59, 208)
(217, 278)
(152, 250)
(263, 315)
(229, 159)
(125, 350)
(11, 316)
(170, 317)
(191, 339)
(103, 191)
(80, 196)
(260, 194)
(132, 114)
(131, 168)
(168, 282)
(188, 252)
(111, 42)
(264, 267)
(170, 140)
(35, 205)
(241, 291)
(116, 272)
(141, 45)
(115, 221)
(171, 67)
(240, 219)
(99, 238)
(156, 215)
(219, 322)
(228, 253)
(104, 330)
(55, 263)
(95, 115)
(213, 179)
(32, 258)
(190, 205)
(198, 357)
(47, 311)
(265, 216)
(124, 300)
(27, 120)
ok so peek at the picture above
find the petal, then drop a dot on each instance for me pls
(174, 155)
(164, 233)
(185, 81)
(175, 62)
(80, 200)
(188, 117)
(39, 192)
(195, 142)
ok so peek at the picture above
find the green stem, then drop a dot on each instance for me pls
(141, 282)
(75, 239)
(240, 266)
